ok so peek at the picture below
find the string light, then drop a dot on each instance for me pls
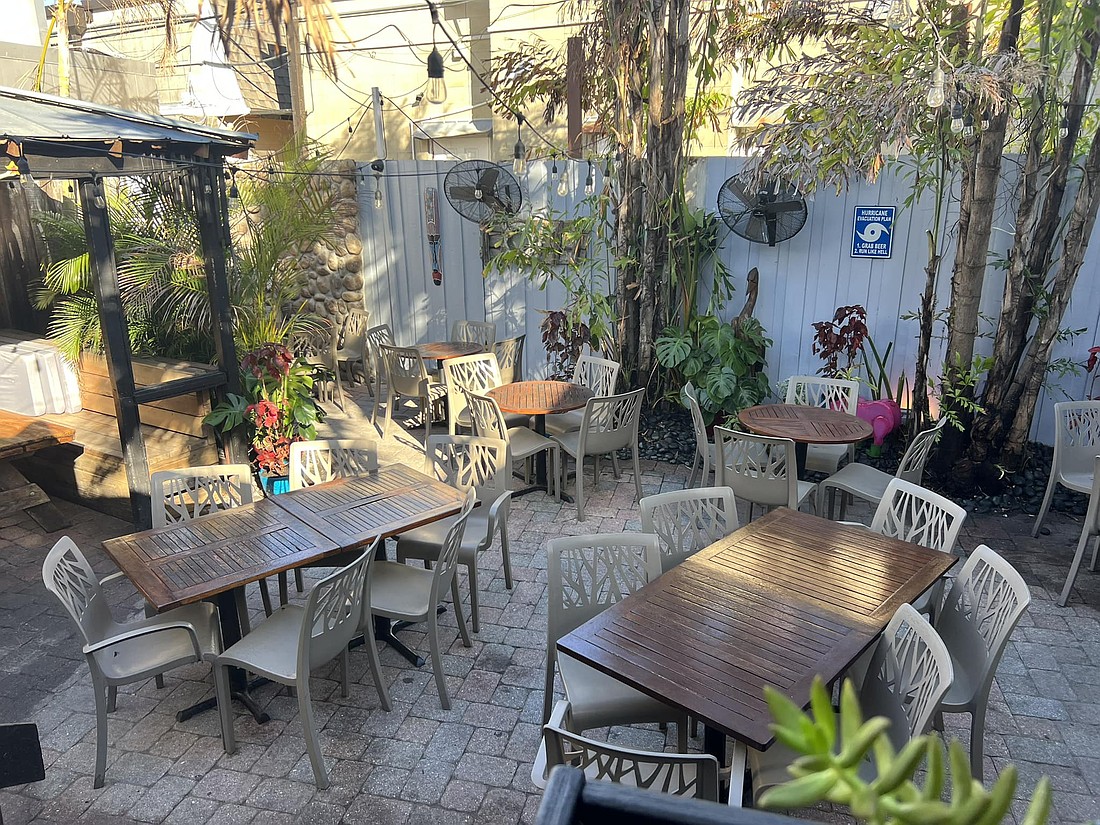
(935, 97)
(957, 112)
(24, 168)
(1063, 128)
(898, 16)
(590, 181)
(519, 153)
(563, 182)
(437, 86)
(986, 117)
(968, 125)
(234, 192)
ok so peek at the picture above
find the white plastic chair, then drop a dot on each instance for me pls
(868, 484)
(474, 332)
(407, 377)
(351, 348)
(692, 775)
(318, 347)
(297, 640)
(760, 470)
(599, 375)
(523, 443)
(120, 654)
(405, 593)
(468, 463)
(686, 521)
(1089, 530)
(982, 609)
(910, 671)
(472, 373)
(1076, 444)
(585, 576)
(509, 353)
(316, 462)
(373, 340)
(831, 394)
(704, 447)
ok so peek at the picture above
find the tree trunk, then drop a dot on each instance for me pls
(919, 400)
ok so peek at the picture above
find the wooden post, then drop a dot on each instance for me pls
(116, 342)
(574, 67)
(294, 64)
(208, 191)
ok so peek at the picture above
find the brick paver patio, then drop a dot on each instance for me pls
(420, 764)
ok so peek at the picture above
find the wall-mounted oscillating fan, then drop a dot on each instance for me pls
(479, 190)
(762, 209)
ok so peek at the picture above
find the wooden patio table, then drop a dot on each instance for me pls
(786, 598)
(440, 351)
(21, 435)
(540, 399)
(804, 425)
(213, 555)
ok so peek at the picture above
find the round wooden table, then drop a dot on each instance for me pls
(804, 425)
(539, 399)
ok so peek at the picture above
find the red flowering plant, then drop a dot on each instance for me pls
(279, 408)
(1090, 368)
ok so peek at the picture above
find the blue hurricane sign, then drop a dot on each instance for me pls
(873, 234)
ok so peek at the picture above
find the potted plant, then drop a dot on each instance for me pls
(278, 410)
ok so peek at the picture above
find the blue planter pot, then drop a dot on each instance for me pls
(274, 485)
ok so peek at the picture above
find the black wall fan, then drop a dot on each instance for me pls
(763, 209)
(479, 190)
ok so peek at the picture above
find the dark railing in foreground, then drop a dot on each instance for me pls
(571, 800)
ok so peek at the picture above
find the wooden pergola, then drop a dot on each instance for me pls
(58, 138)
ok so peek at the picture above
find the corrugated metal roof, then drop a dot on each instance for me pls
(32, 116)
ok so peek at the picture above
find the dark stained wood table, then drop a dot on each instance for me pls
(540, 399)
(21, 435)
(804, 425)
(212, 556)
(783, 599)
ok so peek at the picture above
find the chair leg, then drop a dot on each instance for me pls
(595, 472)
(507, 557)
(112, 698)
(457, 599)
(977, 738)
(150, 611)
(284, 591)
(1047, 496)
(1095, 549)
(375, 665)
(580, 488)
(637, 474)
(694, 469)
(344, 673)
(387, 415)
(225, 707)
(1074, 567)
(309, 730)
(437, 661)
(101, 730)
(471, 574)
(426, 414)
(548, 690)
(615, 464)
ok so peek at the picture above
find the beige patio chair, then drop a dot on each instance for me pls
(405, 593)
(297, 640)
(477, 374)
(864, 482)
(686, 521)
(1089, 530)
(585, 576)
(1076, 444)
(407, 377)
(509, 353)
(600, 376)
(760, 470)
(831, 394)
(351, 350)
(316, 462)
(609, 424)
(680, 774)
(318, 347)
(373, 340)
(704, 447)
(474, 332)
(468, 463)
(983, 607)
(120, 654)
(523, 444)
(193, 492)
(910, 671)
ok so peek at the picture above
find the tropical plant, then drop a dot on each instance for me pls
(724, 361)
(278, 409)
(842, 336)
(833, 747)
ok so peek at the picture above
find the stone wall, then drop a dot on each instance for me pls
(332, 280)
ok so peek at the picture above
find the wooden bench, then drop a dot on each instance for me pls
(20, 436)
(91, 470)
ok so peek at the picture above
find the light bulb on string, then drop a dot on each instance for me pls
(936, 97)
(519, 152)
(968, 125)
(986, 117)
(437, 86)
(1063, 129)
(898, 16)
(957, 117)
(377, 198)
(589, 181)
(563, 181)
(234, 192)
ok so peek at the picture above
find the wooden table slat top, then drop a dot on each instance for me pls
(442, 350)
(186, 562)
(540, 397)
(781, 600)
(22, 434)
(811, 425)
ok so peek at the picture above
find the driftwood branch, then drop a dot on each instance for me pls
(751, 291)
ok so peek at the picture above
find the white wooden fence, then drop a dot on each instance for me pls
(802, 280)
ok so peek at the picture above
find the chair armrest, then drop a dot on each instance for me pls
(111, 578)
(138, 632)
(854, 524)
(499, 507)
